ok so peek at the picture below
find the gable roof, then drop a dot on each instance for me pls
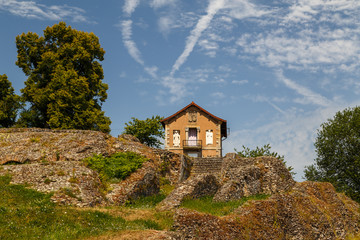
(223, 122)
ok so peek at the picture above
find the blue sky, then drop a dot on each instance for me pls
(275, 70)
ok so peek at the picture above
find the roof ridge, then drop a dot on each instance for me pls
(189, 105)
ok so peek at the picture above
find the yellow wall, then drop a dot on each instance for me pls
(204, 122)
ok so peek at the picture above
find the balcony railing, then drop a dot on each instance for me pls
(192, 143)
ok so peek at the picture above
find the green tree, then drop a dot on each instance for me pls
(64, 88)
(338, 153)
(9, 103)
(263, 151)
(148, 131)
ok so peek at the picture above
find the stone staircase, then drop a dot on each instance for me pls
(207, 165)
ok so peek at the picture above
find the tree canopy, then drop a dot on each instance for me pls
(64, 87)
(148, 131)
(9, 103)
(338, 153)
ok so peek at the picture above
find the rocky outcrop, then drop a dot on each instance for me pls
(242, 177)
(195, 187)
(309, 211)
(238, 177)
(20, 145)
(143, 182)
(51, 161)
(71, 182)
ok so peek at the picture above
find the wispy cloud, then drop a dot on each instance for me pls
(176, 86)
(309, 95)
(130, 6)
(241, 9)
(239, 82)
(161, 3)
(174, 19)
(306, 10)
(304, 51)
(202, 24)
(31, 9)
(130, 45)
(329, 42)
(260, 98)
(292, 134)
(218, 95)
(231, 9)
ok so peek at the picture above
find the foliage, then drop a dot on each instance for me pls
(207, 205)
(148, 131)
(116, 167)
(28, 214)
(64, 88)
(338, 153)
(9, 103)
(263, 151)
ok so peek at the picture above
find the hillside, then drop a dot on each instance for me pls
(51, 161)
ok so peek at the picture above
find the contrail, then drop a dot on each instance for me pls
(203, 23)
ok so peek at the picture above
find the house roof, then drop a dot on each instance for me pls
(223, 122)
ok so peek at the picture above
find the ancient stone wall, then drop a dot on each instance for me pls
(232, 178)
(207, 166)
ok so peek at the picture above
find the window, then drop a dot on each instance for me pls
(209, 137)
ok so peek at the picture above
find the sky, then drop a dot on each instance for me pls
(275, 70)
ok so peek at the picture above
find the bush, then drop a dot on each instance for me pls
(116, 167)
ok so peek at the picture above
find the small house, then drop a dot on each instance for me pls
(195, 132)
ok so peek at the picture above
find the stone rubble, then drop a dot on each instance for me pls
(309, 211)
(238, 177)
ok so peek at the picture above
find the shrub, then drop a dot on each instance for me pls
(116, 167)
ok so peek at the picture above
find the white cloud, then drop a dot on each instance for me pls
(306, 50)
(195, 34)
(152, 71)
(175, 20)
(209, 47)
(307, 10)
(130, 6)
(130, 45)
(134, 52)
(291, 135)
(165, 23)
(239, 82)
(161, 3)
(308, 95)
(218, 95)
(241, 9)
(259, 98)
(176, 87)
(30, 9)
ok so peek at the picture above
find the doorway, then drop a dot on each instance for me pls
(192, 136)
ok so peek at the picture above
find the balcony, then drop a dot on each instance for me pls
(192, 144)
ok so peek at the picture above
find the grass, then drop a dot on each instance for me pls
(146, 202)
(28, 214)
(207, 205)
